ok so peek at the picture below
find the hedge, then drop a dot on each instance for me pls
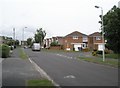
(4, 51)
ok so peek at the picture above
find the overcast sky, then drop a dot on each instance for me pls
(56, 17)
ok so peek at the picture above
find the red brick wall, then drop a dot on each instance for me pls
(68, 40)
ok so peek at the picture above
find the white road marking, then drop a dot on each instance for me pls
(65, 56)
(69, 76)
(43, 73)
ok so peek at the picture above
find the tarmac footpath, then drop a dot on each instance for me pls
(16, 71)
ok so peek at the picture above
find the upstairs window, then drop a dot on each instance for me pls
(85, 39)
(75, 37)
(98, 37)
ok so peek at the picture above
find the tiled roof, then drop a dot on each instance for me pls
(75, 33)
(95, 34)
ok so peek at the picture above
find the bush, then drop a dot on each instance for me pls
(54, 44)
(94, 52)
(85, 50)
(4, 51)
(101, 52)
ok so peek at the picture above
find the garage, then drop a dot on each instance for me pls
(77, 47)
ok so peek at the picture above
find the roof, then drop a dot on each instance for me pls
(95, 34)
(75, 33)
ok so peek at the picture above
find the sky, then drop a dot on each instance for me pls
(56, 17)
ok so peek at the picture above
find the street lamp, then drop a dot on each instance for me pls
(23, 36)
(102, 27)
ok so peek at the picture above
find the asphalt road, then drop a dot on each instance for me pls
(68, 71)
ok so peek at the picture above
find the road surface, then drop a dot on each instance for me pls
(69, 71)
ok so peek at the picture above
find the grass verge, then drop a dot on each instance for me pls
(22, 54)
(113, 63)
(38, 82)
(114, 56)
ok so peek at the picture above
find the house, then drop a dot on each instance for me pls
(95, 41)
(57, 39)
(75, 41)
(47, 42)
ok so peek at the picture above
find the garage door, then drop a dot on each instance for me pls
(76, 46)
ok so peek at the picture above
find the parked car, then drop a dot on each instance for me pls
(36, 47)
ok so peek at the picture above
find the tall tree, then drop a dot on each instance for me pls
(112, 29)
(40, 35)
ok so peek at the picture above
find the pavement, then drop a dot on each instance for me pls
(0, 72)
(16, 71)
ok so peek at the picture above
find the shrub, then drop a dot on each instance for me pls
(99, 52)
(85, 50)
(94, 52)
(5, 51)
(54, 44)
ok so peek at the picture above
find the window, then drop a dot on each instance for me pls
(85, 39)
(75, 37)
(98, 38)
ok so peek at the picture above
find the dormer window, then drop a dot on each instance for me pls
(75, 37)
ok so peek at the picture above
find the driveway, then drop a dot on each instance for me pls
(65, 70)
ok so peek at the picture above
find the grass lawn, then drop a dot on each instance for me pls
(22, 54)
(38, 82)
(114, 56)
(113, 63)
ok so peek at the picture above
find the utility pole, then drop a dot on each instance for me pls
(14, 37)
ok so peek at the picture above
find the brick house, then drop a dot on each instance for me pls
(59, 39)
(75, 41)
(95, 41)
(48, 41)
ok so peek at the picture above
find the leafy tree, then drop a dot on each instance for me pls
(29, 41)
(40, 35)
(112, 29)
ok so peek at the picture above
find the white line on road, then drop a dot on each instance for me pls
(64, 56)
(43, 73)
(70, 76)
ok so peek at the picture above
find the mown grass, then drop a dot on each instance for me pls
(113, 63)
(38, 82)
(113, 56)
(22, 54)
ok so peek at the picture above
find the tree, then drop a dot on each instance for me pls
(29, 41)
(40, 35)
(112, 29)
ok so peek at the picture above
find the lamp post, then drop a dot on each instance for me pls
(102, 27)
(14, 37)
(23, 36)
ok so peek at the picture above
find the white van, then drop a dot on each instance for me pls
(36, 47)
